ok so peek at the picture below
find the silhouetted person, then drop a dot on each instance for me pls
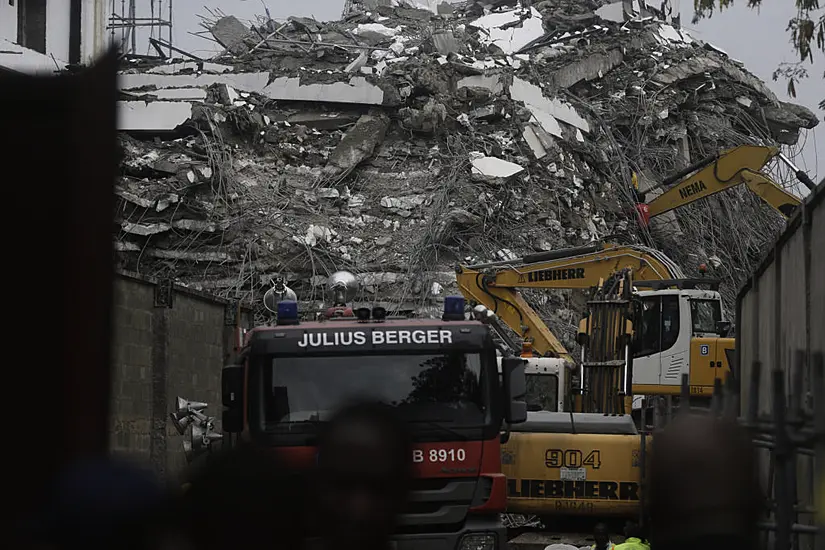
(633, 538)
(704, 490)
(242, 498)
(601, 538)
(101, 503)
(365, 459)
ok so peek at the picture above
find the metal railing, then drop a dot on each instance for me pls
(795, 428)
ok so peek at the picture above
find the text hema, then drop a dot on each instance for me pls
(376, 338)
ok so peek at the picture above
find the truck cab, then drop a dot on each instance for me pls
(440, 374)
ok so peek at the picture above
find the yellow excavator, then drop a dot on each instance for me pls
(683, 326)
(580, 452)
(588, 462)
(732, 167)
(647, 326)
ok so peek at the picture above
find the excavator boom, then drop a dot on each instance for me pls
(495, 285)
(742, 164)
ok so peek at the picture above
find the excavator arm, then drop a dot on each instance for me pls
(730, 168)
(495, 285)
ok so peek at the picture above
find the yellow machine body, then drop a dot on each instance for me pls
(573, 474)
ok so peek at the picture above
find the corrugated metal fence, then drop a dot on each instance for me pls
(780, 341)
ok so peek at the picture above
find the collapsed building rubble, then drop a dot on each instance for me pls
(411, 136)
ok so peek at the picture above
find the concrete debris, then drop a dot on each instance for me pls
(376, 31)
(510, 31)
(231, 34)
(532, 139)
(358, 144)
(492, 168)
(445, 42)
(190, 66)
(394, 142)
(427, 119)
(546, 111)
(136, 116)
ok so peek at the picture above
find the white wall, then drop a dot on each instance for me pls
(8, 21)
(94, 39)
(57, 29)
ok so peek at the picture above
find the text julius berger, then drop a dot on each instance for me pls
(376, 338)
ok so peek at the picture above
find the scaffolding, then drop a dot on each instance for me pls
(125, 22)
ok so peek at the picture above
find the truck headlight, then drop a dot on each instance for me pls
(478, 541)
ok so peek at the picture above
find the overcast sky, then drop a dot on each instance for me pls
(757, 38)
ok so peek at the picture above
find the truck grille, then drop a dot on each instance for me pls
(438, 505)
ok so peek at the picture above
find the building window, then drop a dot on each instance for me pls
(31, 25)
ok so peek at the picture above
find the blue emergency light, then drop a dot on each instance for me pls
(453, 308)
(287, 313)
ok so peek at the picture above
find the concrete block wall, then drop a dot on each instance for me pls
(161, 353)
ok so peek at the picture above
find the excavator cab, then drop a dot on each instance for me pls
(680, 329)
(549, 383)
(644, 341)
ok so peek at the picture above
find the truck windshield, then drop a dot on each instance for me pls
(443, 388)
(704, 315)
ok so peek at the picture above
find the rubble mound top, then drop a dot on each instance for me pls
(413, 135)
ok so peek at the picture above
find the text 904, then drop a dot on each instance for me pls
(439, 455)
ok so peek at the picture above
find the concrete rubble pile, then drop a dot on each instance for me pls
(413, 135)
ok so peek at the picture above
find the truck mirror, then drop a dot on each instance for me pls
(515, 388)
(232, 386)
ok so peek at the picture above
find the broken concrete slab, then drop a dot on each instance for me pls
(403, 203)
(490, 82)
(590, 68)
(785, 119)
(357, 90)
(144, 229)
(227, 94)
(358, 144)
(529, 135)
(686, 69)
(433, 6)
(191, 66)
(500, 30)
(231, 34)
(375, 32)
(546, 111)
(247, 82)
(324, 121)
(612, 12)
(154, 116)
(192, 94)
(306, 24)
(484, 167)
(445, 43)
(357, 63)
(487, 112)
(427, 119)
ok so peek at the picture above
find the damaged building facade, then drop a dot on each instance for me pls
(413, 135)
(43, 36)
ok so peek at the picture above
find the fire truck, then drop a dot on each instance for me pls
(442, 375)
